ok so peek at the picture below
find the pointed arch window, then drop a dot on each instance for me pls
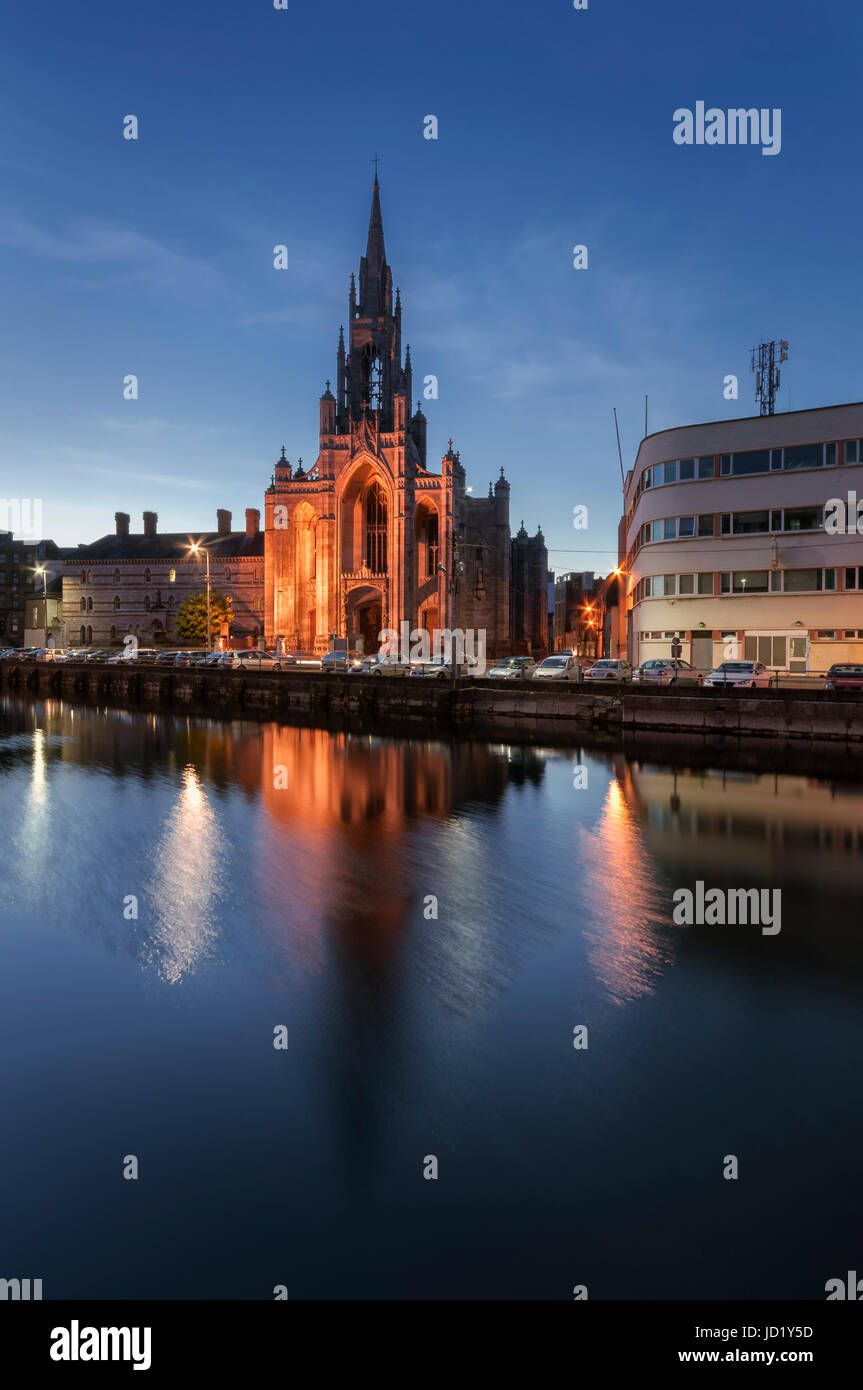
(432, 546)
(376, 529)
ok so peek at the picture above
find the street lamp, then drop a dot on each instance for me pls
(196, 550)
(40, 569)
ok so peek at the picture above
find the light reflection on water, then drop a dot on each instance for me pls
(415, 1029)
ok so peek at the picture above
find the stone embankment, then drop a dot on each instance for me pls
(528, 707)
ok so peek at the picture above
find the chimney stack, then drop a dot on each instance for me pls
(121, 520)
(253, 521)
(223, 520)
(150, 520)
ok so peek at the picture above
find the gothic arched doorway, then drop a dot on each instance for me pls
(365, 620)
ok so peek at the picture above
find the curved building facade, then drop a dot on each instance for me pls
(733, 543)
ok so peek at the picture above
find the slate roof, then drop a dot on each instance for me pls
(168, 546)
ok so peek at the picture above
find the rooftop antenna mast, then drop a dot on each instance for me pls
(619, 454)
(765, 359)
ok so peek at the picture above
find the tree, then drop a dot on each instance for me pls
(190, 624)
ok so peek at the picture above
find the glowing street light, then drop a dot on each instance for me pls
(196, 550)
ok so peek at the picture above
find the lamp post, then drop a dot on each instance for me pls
(196, 550)
(40, 569)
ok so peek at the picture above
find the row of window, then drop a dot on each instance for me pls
(16, 557)
(227, 575)
(14, 579)
(762, 522)
(849, 634)
(86, 604)
(787, 581)
(747, 462)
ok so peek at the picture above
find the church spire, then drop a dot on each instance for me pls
(376, 281)
(375, 251)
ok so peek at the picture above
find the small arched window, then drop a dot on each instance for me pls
(83, 604)
(116, 603)
(146, 576)
(89, 634)
(146, 603)
(113, 633)
(83, 635)
(89, 576)
(227, 574)
(116, 576)
(89, 605)
(172, 576)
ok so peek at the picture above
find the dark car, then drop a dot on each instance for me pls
(845, 676)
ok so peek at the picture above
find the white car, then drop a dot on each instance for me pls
(607, 669)
(740, 673)
(512, 668)
(560, 667)
(251, 660)
(441, 669)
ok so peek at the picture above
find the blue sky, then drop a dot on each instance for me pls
(258, 127)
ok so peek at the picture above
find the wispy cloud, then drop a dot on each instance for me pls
(145, 261)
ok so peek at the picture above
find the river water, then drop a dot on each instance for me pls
(429, 922)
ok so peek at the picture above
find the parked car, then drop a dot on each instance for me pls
(512, 668)
(96, 655)
(384, 664)
(562, 666)
(846, 676)
(666, 670)
(740, 673)
(608, 669)
(254, 660)
(165, 659)
(440, 668)
(339, 661)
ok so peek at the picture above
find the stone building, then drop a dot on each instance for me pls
(18, 582)
(529, 594)
(369, 536)
(127, 583)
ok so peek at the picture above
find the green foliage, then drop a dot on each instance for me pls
(190, 623)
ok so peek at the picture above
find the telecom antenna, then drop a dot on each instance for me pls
(765, 367)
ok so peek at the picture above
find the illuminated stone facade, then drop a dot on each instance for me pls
(368, 537)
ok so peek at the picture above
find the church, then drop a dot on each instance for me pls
(369, 536)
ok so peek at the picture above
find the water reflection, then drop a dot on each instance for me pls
(379, 860)
(430, 920)
(187, 886)
(631, 941)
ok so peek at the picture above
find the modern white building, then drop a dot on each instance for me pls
(724, 543)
